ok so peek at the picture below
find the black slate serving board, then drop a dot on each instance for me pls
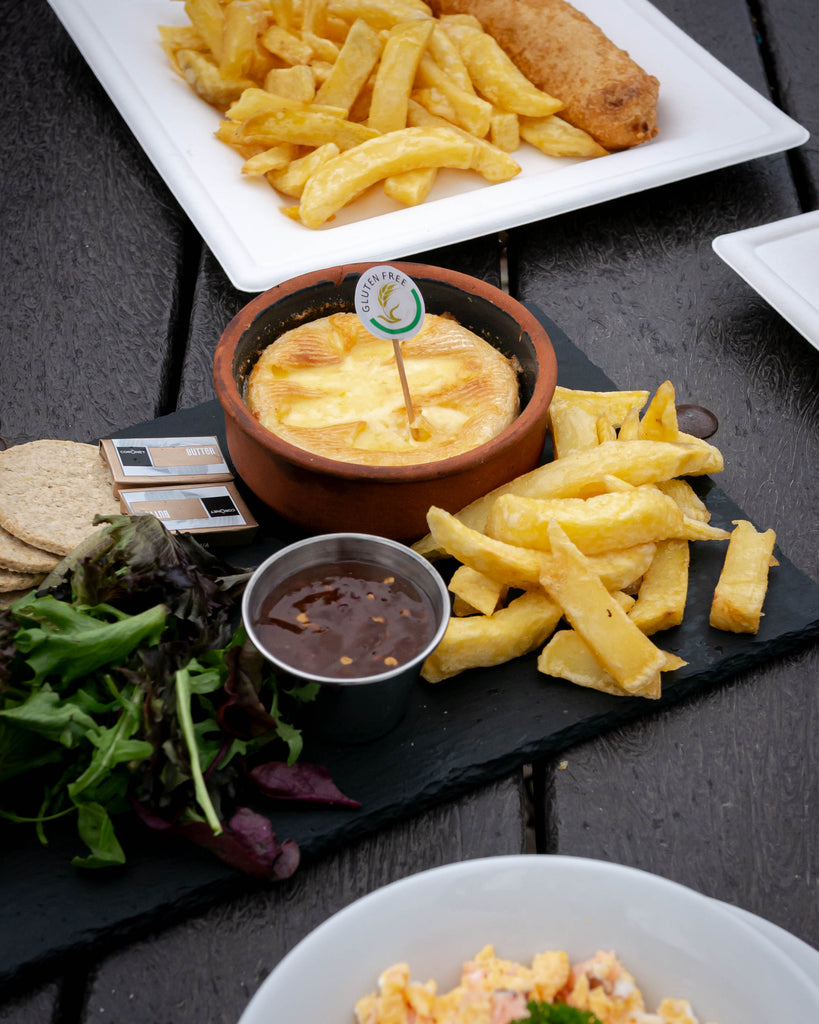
(456, 735)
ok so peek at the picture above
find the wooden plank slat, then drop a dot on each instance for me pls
(90, 245)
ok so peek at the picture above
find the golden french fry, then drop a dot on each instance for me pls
(354, 171)
(504, 130)
(207, 17)
(630, 427)
(295, 83)
(496, 77)
(478, 591)
(202, 74)
(572, 427)
(556, 137)
(659, 421)
(324, 49)
(521, 568)
(616, 643)
(257, 103)
(288, 46)
(743, 582)
(567, 656)
(472, 113)
(273, 159)
(445, 54)
(356, 60)
(309, 127)
(622, 569)
(489, 161)
(180, 37)
(687, 498)
(283, 13)
(515, 566)
(614, 405)
(477, 641)
(396, 73)
(605, 430)
(663, 592)
(582, 473)
(601, 523)
(380, 14)
(412, 187)
(242, 25)
(291, 179)
(696, 529)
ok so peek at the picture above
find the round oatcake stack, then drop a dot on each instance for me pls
(50, 492)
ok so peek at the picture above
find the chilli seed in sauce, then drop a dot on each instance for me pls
(346, 620)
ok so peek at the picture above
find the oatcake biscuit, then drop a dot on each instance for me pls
(20, 557)
(50, 492)
(10, 581)
(8, 597)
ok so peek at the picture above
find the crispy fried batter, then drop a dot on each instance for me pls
(564, 53)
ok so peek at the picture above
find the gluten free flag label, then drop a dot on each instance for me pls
(389, 304)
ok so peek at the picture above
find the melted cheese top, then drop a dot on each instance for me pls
(332, 388)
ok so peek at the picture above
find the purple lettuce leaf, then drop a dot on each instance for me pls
(247, 842)
(309, 783)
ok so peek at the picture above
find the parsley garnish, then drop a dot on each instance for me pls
(556, 1013)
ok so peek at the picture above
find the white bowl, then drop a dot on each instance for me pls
(675, 941)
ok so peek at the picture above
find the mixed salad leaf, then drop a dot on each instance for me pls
(127, 685)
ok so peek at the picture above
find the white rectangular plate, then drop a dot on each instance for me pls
(781, 261)
(708, 117)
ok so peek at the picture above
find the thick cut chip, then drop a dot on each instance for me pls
(50, 492)
(488, 160)
(396, 74)
(496, 77)
(445, 54)
(612, 404)
(306, 128)
(381, 14)
(296, 83)
(411, 187)
(202, 74)
(478, 641)
(471, 113)
(616, 643)
(243, 24)
(521, 568)
(274, 159)
(290, 47)
(350, 174)
(291, 179)
(743, 582)
(663, 592)
(687, 498)
(556, 137)
(572, 427)
(581, 474)
(477, 590)
(600, 523)
(659, 421)
(567, 656)
(358, 57)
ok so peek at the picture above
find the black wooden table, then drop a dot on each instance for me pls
(111, 306)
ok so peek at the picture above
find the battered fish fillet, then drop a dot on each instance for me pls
(564, 53)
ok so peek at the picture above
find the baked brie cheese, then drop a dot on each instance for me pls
(332, 388)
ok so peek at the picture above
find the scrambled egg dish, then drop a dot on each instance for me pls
(495, 991)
